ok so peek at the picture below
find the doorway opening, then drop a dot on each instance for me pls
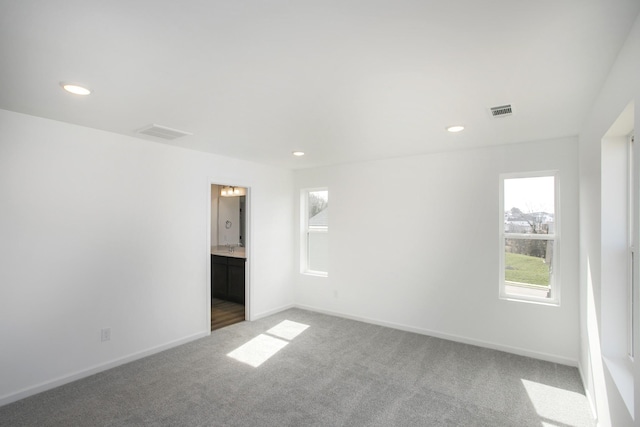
(228, 255)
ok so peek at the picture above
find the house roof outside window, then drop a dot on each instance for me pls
(321, 219)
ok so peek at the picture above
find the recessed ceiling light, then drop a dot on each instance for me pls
(456, 128)
(75, 89)
(298, 153)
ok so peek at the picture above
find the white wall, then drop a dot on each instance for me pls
(621, 87)
(99, 230)
(414, 244)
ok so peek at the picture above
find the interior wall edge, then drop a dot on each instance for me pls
(450, 337)
(590, 400)
(268, 313)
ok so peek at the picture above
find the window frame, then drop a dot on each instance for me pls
(306, 230)
(554, 279)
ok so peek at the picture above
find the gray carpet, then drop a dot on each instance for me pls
(336, 372)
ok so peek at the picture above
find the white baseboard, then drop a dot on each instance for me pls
(65, 379)
(270, 312)
(47, 385)
(486, 344)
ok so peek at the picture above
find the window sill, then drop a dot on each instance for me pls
(315, 273)
(517, 298)
(533, 294)
(622, 377)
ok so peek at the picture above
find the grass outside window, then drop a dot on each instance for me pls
(528, 269)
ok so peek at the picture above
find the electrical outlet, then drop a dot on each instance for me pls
(105, 334)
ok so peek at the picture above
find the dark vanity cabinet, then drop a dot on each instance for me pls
(219, 277)
(227, 278)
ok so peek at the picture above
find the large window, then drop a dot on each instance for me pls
(529, 225)
(633, 188)
(315, 232)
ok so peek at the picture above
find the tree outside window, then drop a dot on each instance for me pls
(315, 239)
(528, 237)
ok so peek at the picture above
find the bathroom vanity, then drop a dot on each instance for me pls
(228, 274)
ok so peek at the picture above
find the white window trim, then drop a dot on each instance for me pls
(555, 278)
(305, 229)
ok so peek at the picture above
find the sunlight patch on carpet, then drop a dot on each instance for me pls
(287, 329)
(258, 350)
(555, 406)
(261, 348)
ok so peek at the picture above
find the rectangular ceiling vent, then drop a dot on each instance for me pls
(163, 132)
(501, 111)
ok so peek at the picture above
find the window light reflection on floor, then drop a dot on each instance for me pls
(287, 329)
(555, 406)
(259, 349)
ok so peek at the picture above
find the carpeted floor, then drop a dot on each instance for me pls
(335, 372)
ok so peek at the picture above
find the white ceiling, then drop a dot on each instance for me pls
(341, 80)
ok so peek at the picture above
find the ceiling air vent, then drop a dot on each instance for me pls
(163, 132)
(501, 111)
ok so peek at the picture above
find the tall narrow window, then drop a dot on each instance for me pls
(529, 224)
(315, 238)
(632, 228)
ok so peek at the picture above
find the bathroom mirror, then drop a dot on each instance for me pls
(231, 220)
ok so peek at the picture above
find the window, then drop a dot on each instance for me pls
(529, 225)
(632, 234)
(618, 239)
(315, 232)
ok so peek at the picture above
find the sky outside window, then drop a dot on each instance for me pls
(530, 194)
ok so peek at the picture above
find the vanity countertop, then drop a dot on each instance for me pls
(238, 251)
